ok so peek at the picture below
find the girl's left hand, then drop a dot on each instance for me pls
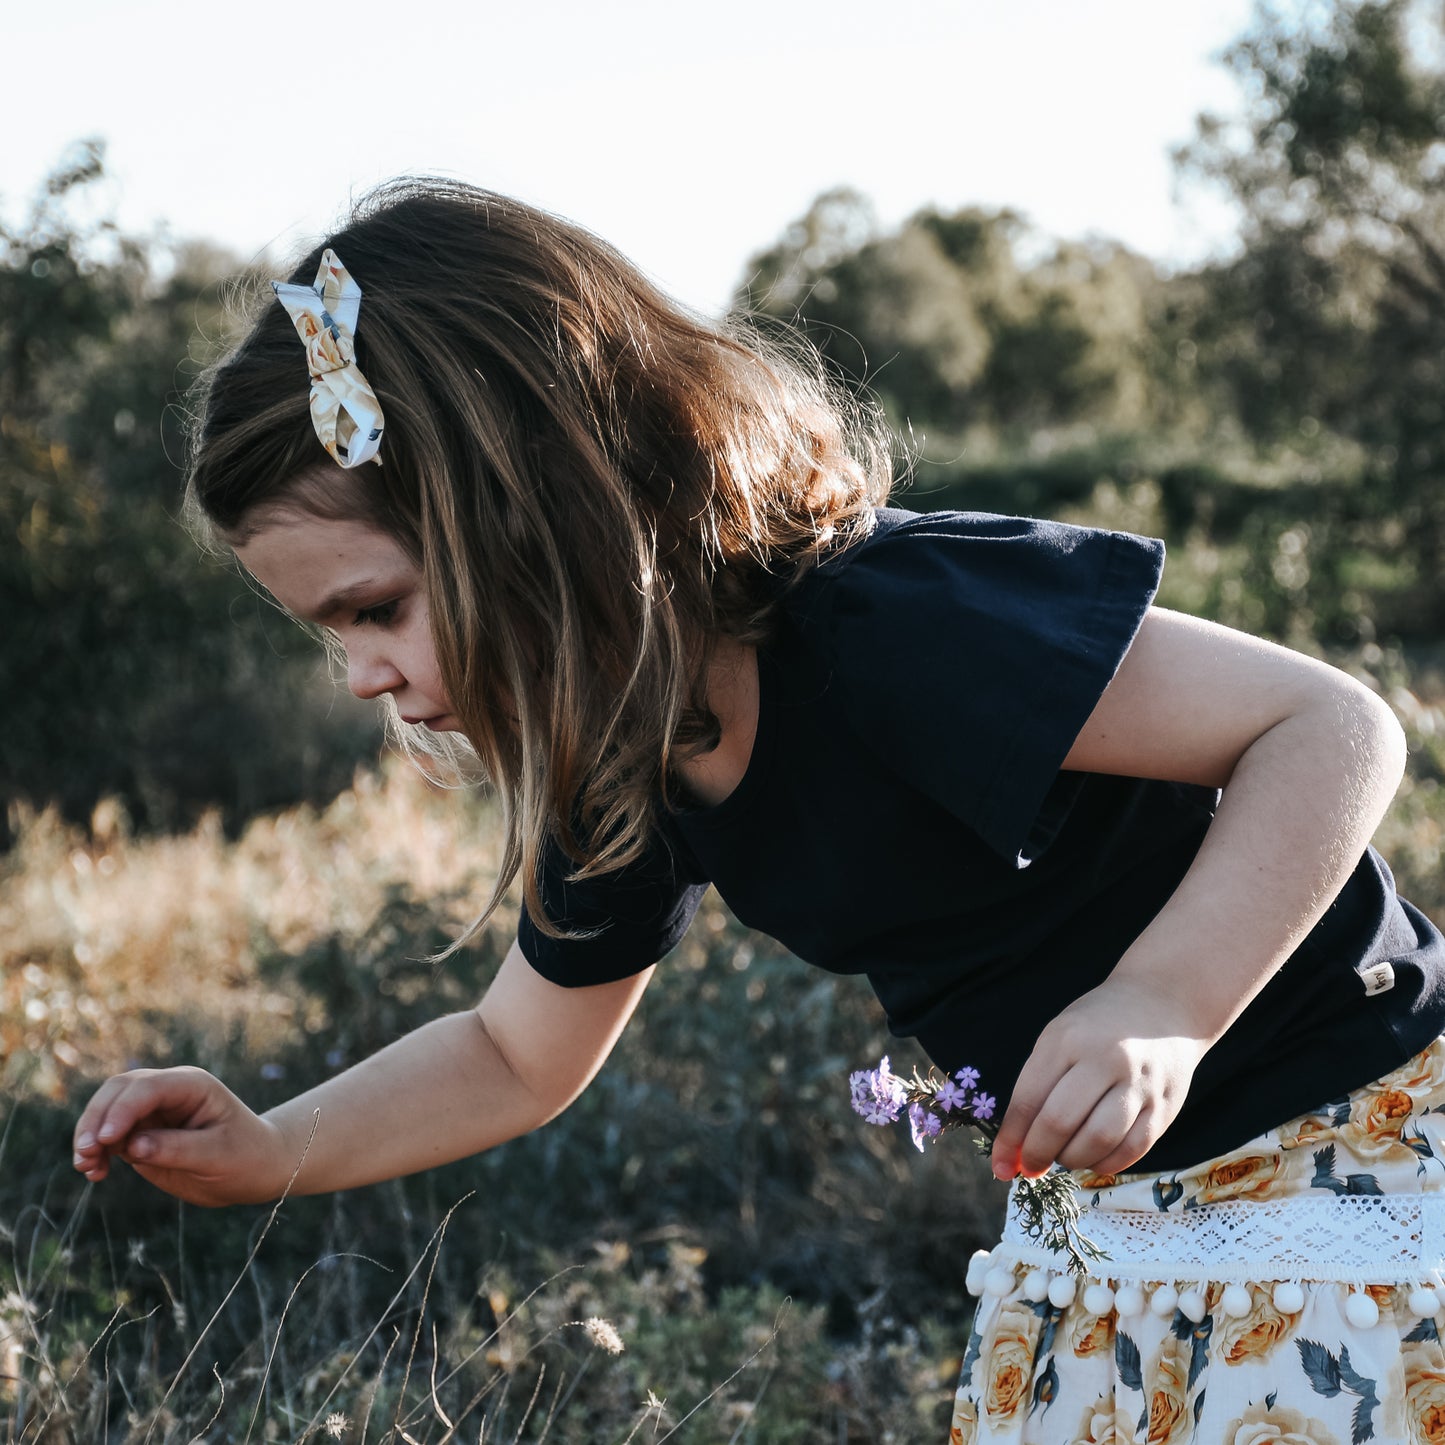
(1104, 1081)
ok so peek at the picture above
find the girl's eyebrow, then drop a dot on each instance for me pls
(347, 599)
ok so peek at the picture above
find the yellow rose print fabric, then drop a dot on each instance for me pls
(344, 409)
(1285, 1361)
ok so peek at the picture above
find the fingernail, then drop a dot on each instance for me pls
(86, 1141)
(79, 1162)
(142, 1147)
(109, 1131)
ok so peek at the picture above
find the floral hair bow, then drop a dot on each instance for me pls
(344, 409)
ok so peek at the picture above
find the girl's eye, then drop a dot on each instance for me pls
(377, 616)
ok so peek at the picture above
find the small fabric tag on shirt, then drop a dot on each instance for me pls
(1379, 978)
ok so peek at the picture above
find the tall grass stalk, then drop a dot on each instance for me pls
(712, 1171)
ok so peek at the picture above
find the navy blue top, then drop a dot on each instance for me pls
(903, 815)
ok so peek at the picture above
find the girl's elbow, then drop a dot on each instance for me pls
(1378, 734)
(1398, 747)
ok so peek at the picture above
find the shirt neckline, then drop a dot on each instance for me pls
(708, 816)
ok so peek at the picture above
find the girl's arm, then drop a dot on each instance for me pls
(1309, 760)
(452, 1088)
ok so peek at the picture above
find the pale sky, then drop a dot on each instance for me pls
(688, 134)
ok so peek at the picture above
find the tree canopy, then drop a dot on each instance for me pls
(1278, 414)
(123, 667)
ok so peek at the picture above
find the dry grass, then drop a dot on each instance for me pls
(97, 927)
(712, 1171)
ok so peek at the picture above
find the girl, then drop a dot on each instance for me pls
(642, 568)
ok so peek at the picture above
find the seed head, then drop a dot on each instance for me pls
(603, 1334)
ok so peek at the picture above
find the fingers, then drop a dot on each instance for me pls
(1105, 1079)
(1079, 1113)
(1038, 1111)
(102, 1127)
(1006, 1156)
(128, 1103)
(1088, 1120)
(190, 1151)
(1142, 1137)
(1118, 1130)
(183, 1131)
(1084, 1119)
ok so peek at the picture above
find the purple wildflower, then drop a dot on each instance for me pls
(889, 1085)
(923, 1125)
(877, 1094)
(879, 1111)
(1048, 1206)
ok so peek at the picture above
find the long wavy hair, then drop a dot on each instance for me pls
(597, 487)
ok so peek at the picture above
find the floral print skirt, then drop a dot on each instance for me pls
(1287, 1293)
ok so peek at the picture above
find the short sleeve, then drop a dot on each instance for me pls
(631, 918)
(973, 648)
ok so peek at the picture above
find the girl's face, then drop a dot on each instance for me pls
(358, 583)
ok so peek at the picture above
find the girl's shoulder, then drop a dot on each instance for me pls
(969, 649)
(961, 567)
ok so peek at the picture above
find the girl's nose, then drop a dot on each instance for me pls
(371, 676)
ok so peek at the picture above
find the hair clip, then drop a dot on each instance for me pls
(344, 409)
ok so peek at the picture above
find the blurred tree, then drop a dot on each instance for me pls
(890, 312)
(1285, 407)
(1334, 315)
(122, 668)
(952, 330)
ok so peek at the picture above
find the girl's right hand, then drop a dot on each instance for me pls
(1106, 1078)
(186, 1133)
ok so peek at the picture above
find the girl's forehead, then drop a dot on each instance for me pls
(318, 566)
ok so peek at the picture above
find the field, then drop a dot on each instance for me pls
(774, 1269)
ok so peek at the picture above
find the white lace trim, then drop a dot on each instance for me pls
(1395, 1239)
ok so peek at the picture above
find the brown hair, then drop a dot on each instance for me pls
(596, 485)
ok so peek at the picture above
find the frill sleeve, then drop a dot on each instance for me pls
(971, 650)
